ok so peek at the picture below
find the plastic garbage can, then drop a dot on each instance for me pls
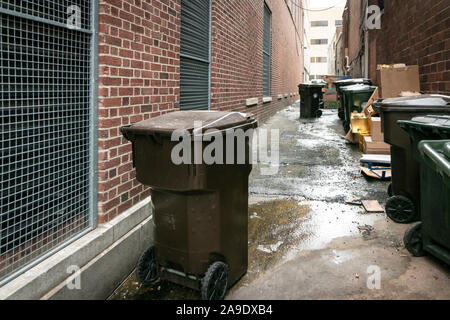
(404, 204)
(311, 100)
(354, 98)
(200, 210)
(432, 234)
(345, 83)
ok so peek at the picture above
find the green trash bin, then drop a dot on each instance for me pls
(353, 99)
(311, 100)
(426, 128)
(432, 234)
(345, 83)
(403, 205)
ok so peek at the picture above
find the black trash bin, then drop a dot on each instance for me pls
(404, 204)
(200, 210)
(311, 100)
(345, 83)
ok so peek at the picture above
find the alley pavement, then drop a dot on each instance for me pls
(305, 242)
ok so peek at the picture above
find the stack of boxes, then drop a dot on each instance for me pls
(374, 144)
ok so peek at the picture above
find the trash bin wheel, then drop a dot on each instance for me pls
(319, 113)
(390, 191)
(341, 114)
(215, 282)
(413, 240)
(400, 209)
(147, 267)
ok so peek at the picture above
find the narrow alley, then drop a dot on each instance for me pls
(299, 219)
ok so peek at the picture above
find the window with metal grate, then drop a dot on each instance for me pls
(46, 130)
(267, 49)
(195, 55)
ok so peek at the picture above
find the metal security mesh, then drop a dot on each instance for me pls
(45, 120)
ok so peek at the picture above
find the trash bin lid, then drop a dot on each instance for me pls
(358, 88)
(166, 124)
(312, 85)
(348, 82)
(436, 125)
(432, 102)
(428, 121)
(439, 154)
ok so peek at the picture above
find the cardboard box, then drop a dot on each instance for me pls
(372, 147)
(375, 129)
(395, 79)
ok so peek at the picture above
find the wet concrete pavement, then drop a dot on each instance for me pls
(305, 242)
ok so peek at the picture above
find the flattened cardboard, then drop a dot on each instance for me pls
(394, 81)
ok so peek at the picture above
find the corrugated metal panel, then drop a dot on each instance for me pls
(195, 54)
(267, 51)
(194, 85)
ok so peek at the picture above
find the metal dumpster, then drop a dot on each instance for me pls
(404, 204)
(200, 210)
(432, 234)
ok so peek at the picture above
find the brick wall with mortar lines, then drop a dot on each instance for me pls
(417, 32)
(237, 56)
(139, 73)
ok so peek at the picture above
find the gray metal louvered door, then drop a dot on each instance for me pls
(267, 48)
(47, 128)
(195, 54)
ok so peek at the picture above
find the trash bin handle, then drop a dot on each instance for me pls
(436, 157)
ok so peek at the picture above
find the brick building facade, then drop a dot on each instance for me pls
(412, 32)
(64, 104)
(139, 75)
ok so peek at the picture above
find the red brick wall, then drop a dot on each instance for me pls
(417, 32)
(237, 56)
(139, 72)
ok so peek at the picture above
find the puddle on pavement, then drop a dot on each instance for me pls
(272, 232)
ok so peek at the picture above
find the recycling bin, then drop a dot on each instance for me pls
(354, 98)
(403, 205)
(200, 205)
(432, 234)
(311, 100)
(345, 83)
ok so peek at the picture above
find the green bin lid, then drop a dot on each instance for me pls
(434, 102)
(358, 88)
(431, 121)
(348, 82)
(166, 124)
(437, 155)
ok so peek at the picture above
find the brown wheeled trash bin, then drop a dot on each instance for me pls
(200, 210)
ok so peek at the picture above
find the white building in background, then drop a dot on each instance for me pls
(320, 28)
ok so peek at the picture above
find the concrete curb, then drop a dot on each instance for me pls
(116, 244)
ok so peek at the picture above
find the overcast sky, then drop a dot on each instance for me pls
(326, 3)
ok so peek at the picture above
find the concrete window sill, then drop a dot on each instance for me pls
(251, 102)
(267, 99)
